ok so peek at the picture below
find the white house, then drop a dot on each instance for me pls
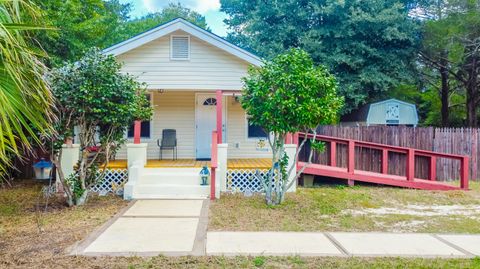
(194, 80)
(187, 69)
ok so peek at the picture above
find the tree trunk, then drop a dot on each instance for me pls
(82, 199)
(471, 87)
(471, 108)
(444, 92)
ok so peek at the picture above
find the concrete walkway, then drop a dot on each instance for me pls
(150, 228)
(343, 244)
(179, 227)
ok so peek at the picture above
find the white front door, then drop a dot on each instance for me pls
(206, 123)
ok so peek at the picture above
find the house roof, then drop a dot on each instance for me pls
(393, 100)
(188, 27)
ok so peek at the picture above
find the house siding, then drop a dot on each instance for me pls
(172, 110)
(209, 68)
(237, 134)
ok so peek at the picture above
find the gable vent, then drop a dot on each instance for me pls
(180, 48)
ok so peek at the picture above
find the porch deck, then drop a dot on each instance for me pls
(258, 163)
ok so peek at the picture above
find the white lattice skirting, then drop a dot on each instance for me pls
(113, 180)
(244, 180)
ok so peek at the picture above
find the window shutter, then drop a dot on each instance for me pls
(180, 48)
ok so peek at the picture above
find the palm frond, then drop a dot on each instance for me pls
(25, 98)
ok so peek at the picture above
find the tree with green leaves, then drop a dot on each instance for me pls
(25, 99)
(94, 96)
(98, 23)
(289, 94)
(139, 25)
(452, 48)
(80, 25)
(370, 46)
(431, 103)
(433, 48)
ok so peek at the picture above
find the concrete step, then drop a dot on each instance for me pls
(154, 171)
(176, 176)
(170, 197)
(180, 178)
(151, 191)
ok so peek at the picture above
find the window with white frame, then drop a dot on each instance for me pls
(180, 47)
(145, 125)
(255, 131)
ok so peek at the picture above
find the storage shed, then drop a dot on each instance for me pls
(387, 112)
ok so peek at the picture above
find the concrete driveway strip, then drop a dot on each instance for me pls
(136, 235)
(270, 243)
(388, 244)
(165, 208)
(468, 242)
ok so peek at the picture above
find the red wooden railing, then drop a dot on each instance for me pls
(383, 177)
(214, 164)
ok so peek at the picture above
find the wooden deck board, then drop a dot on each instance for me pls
(249, 163)
(117, 164)
(258, 163)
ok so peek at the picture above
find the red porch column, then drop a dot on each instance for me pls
(214, 165)
(219, 95)
(136, 131)
(289, 138)
(296, 139)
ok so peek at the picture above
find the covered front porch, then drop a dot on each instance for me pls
(193, 116)
(211, 129)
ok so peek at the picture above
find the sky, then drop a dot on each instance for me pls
(209, 8)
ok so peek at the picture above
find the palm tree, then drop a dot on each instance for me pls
(25, 98)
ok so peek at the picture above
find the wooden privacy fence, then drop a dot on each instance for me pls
(458, 141)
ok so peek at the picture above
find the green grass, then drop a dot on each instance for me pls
(259, 261)
(301, 262)
(327, 208)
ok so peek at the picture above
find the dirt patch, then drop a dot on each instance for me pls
(421, 210)
(35, 232)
